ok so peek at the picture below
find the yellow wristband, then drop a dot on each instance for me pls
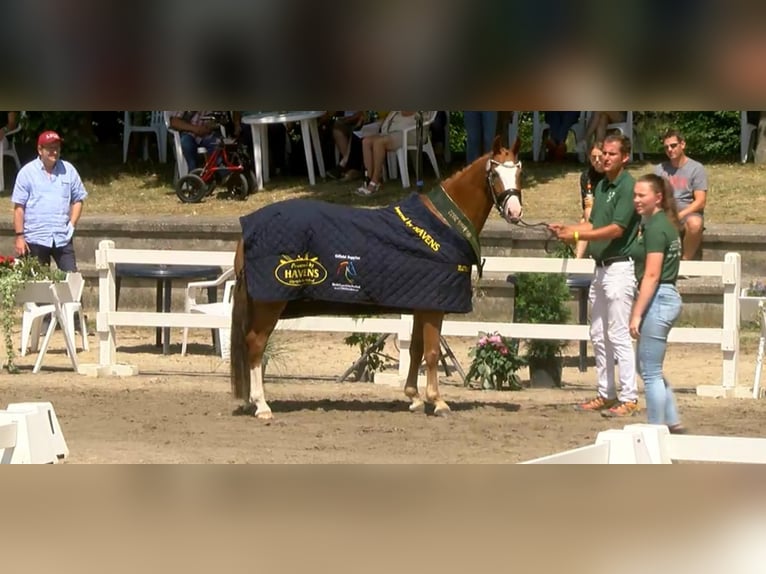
(577, 236)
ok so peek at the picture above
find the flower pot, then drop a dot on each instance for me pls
(545, 373)
(748, 306)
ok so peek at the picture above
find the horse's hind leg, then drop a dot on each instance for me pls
(416, 356)
(432, 325)
(265, 317)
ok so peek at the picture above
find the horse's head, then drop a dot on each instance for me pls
(504, 178)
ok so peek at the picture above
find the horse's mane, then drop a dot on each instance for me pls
(460, 173)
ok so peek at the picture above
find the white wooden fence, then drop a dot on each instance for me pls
(653, 444)
(107, 319)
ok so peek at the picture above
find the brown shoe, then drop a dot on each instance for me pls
(627, 409)
(597, 404)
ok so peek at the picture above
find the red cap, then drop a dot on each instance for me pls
(48, 138)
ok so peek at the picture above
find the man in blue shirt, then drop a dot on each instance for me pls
(47, 203)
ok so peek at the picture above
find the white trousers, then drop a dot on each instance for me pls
(611, 297)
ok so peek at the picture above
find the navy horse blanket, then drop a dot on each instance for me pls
(332, 259)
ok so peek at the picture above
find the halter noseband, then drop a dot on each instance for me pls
(501, 199)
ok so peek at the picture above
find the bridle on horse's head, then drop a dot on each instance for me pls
(508, 174)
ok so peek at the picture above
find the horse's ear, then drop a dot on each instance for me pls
(516, 146)
(497, 145)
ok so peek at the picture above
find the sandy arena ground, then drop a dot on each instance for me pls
(179, 409)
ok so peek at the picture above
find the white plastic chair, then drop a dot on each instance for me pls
(539, 126)
(513, 129)
(222, 308)
(181, 167)
(626, 128)
(33, 314)
(156, 126)
(10, 151)
(409, 143)
(746, 140)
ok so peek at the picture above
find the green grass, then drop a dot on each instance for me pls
(551, 190)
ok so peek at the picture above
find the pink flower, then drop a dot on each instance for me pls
(495, 339)
(504, 350)
(482, 341)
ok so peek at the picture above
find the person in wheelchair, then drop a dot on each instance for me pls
(202, 129)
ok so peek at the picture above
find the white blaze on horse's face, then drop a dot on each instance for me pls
(509, 173)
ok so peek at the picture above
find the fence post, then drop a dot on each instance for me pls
(107, 303)
(731, 279)
(404, 336)
(730, 345)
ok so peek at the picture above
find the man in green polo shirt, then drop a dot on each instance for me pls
(610, 231)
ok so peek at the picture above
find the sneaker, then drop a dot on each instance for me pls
(627, 409)
(597, 404)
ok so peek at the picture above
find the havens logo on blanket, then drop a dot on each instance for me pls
(300, 271)
(419, 231)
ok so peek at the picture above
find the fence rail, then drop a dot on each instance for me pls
(107, 256)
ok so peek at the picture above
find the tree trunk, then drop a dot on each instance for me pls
(760, 142)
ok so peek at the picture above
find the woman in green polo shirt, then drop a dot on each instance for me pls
(657, 254)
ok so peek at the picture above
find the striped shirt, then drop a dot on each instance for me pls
(47, 200)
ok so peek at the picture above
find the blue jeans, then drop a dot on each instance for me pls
(560, 123)
(662, 313)
(480, 130)
(64, 255)
(189, 147)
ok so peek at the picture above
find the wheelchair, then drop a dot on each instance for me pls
(228, 166)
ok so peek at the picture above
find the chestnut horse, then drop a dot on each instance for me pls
(492, 180)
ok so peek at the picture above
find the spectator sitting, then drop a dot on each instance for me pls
(376, 146)
(196, 131)
(343, 135)
(559, 124)
(599, 121)
(689, 181)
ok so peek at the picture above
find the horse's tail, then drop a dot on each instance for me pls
(240, 325)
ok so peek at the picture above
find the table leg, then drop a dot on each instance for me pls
(306, 133)
(166, 308)
(68, 339)
(264, 129)
(212, 297)
(117, 284)
(582, 309)
(255, 131)
(158, 308)
(314, 127)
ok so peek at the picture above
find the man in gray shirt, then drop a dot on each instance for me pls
(689, 182)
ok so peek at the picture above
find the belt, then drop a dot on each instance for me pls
(608, 262)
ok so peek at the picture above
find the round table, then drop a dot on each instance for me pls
(309, 131)
(164, 274)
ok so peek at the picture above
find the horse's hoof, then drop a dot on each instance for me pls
(417, 406)
(264, 416)
(442, 411)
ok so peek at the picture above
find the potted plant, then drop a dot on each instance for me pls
(749, 299)
(543, 298)
(17, 275)
(495, 362)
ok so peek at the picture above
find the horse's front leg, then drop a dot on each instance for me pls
(416, 356)
(432, 326)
